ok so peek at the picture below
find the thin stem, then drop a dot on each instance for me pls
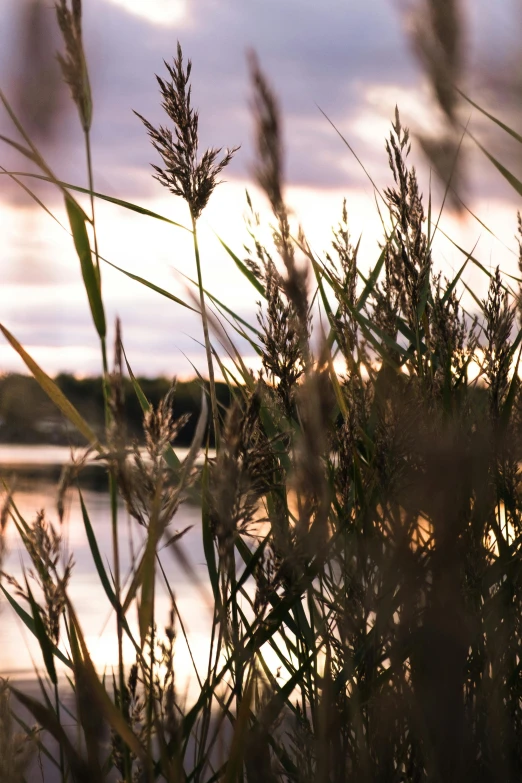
(199, 745)
(57, 708)
(180, 619)
(204, 319)
(112, 484)
(150, 704)
(91, 194)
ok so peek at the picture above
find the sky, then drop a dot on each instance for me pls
(353, 60)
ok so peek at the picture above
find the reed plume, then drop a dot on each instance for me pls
(186, 176)
(73, 63)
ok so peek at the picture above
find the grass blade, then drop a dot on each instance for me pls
(107, 707)
(208, 540)
(102, 196)
(96, 556)
(515, 183)
(29, 623)
(90, 274)
(244, 269)
(150, 285)
(49, 721)
(494, 119)
(46, 646)
(372, 279)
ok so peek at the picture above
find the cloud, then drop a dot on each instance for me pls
(328, 53)
(57, 330)
(313, 53)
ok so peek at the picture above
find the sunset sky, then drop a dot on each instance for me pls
(350, 58)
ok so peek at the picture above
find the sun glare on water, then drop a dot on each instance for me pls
(164, 12)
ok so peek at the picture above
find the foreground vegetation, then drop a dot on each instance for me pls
(361, 526)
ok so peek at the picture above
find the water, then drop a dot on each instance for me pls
(19, 650)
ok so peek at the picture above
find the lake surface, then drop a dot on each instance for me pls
(19, 651)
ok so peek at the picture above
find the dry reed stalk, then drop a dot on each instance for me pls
(437, 33)
(185, 175)
(73, 63)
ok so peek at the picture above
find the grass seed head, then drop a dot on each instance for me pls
(73, 63)
(519, 241)
(499, 317)
(183, 174)
(269, 174)
(269, 147)
(437, 32)
(408, 255)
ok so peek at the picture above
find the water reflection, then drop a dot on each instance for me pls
(19, 649)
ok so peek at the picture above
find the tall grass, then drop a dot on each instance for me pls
(361, 527)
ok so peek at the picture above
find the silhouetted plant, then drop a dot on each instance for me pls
(360, 522)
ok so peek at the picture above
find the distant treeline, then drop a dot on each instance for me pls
(28, 416)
